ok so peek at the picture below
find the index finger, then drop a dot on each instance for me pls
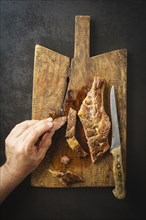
(19, 128)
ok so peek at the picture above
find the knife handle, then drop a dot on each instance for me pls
(118, 173)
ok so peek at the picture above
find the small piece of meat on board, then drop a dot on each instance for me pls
(70, 134)
(95, 121)
(67, 178)
(65, 160)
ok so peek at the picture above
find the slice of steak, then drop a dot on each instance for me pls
(67, 178)
(94, 119)
(58, 123)
(70, 134)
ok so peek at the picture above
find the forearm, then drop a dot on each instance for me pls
(8, 182)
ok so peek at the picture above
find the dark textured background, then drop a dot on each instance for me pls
(114, 24)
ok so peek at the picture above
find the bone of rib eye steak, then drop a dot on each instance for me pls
(70, 134)
(96, 123)
(67, 178)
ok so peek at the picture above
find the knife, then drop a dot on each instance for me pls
(118, 173)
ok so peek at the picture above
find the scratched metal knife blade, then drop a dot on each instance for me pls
(114, 117)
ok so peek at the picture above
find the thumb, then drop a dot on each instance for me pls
(47, 138)
(45, 142)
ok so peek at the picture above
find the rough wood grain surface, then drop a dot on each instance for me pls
(50, 73)
(49, 82)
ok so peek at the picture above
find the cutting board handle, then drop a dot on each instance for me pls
(82, 37)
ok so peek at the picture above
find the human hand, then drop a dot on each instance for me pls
(25, 150)
(22, 154)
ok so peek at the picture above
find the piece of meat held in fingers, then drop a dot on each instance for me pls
(70, 134)
(67, 178)
(58, 123)
(94, 119)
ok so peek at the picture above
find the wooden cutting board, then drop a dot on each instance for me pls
(60, 82)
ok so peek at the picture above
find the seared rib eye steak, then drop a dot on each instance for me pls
(94, 119)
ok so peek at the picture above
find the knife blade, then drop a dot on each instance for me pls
(118, 173)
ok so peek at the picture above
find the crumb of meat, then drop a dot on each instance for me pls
(67, 178)
(65, 160)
